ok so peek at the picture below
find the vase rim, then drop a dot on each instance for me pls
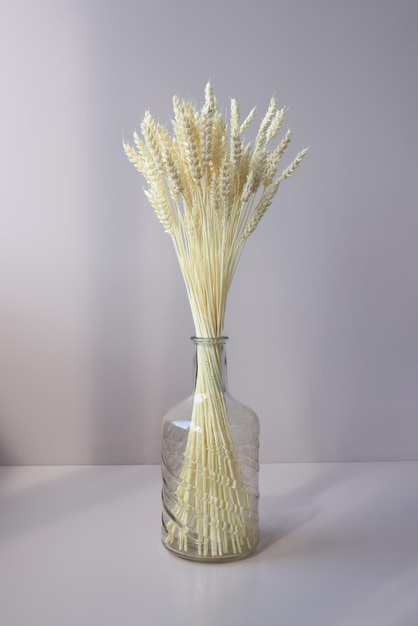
(209, 340)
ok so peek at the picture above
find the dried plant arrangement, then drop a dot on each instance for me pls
(210, 188)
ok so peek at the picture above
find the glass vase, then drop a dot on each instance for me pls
(210, 466)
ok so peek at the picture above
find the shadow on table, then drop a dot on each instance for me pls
(29, 501)
(282, 514)
(280, 521)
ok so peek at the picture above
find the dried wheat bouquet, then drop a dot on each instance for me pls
(210, 188)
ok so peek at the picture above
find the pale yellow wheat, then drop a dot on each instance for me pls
(210, 189)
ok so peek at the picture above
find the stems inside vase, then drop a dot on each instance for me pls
(212, 503)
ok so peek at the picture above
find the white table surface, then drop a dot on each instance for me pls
(80, 546)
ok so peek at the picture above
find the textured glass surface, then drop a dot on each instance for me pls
(210, 467)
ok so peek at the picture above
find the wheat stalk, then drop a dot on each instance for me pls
(210, 189)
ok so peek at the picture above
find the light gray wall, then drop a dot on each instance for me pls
(94, 319)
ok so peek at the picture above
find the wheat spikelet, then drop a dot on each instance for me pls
(210, 100)
(258, 165)
(213, 194)
(248, 187)
(243, 167)
(269, 170)
(191, 142)
(174, 180)
(161, 207)
(248, 120)
(152, 141)
(225, 186)
(275, 125)
(206, 126)
(294, 165)
(280, 149)
(260, 209)
(264, 126)
(219, 140)
(134, 157)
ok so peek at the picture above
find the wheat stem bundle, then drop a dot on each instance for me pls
(210, 189)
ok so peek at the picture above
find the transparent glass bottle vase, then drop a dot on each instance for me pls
(210, 466)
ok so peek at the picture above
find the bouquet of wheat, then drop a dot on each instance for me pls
(209, 189)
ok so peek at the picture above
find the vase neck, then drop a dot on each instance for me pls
(210, 352)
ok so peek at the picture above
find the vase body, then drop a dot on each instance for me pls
(210, 466)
